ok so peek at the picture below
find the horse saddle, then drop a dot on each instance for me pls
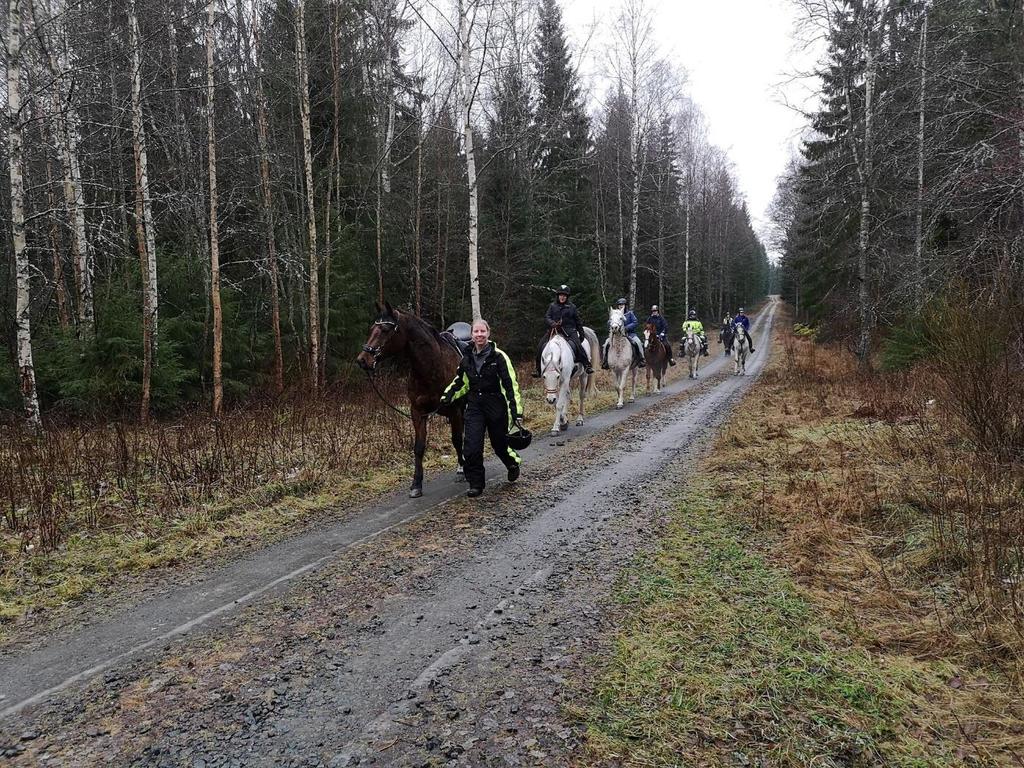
(459, 335)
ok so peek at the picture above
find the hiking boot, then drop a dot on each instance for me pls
(473, 492)
(513, 473)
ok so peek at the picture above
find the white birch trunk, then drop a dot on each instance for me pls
(919, 228)
(145, 236)
(68, 140)
(866, 177)
(267, 200)
(686, 257)
(211, 143)
(22, 316)
(467, 134)
(302, 66)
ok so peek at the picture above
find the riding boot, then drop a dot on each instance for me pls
(750, 343)
(668, 350)
(638, 356)
(581, 357)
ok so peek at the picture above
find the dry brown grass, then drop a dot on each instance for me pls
(893, 523)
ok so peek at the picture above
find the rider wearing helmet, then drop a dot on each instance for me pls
(742, 319)
(661, 328)
(630, 322)
(695, 325)
(725, 332)
(563, 316)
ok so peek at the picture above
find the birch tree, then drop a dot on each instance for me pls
(302, 71)
(211, 144)
(16, 160)
(144, 228)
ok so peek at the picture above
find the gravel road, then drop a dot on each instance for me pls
(435, 631)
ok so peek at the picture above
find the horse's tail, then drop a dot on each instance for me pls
(595, 357)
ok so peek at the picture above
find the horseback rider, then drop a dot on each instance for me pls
(562, 316)
(697, 327)
(630, 322)
(487, 379)
(661, 329)
(725, 332)
(742, 319)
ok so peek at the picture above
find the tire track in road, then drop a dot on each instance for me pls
(151, 626)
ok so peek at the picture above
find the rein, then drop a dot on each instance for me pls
(396, 409)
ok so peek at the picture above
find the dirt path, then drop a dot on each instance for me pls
(409, 635)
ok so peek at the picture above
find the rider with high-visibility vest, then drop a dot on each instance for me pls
(697, 327)
(487, 379)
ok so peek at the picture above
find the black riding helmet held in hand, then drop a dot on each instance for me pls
(519, 438)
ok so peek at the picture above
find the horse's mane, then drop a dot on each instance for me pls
(420, 324)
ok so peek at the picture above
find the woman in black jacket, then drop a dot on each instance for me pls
(563, 315)
(487, 379)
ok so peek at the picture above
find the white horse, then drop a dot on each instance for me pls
(620, 354)
(561, 373)
(691, 351)
(740, 350)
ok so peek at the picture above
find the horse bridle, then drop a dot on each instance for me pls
(391, 326)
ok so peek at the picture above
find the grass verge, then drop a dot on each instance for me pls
(810, 601)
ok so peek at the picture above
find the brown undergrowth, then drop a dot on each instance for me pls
(894, 520)
(83, 504)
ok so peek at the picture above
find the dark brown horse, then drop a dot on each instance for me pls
(432, 363)
(656, 356)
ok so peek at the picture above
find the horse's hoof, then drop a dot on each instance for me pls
(563, 427)
(415, 493)
(579, 422)
(556, 432)
(618, 406)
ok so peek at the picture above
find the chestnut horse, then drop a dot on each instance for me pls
(432, 363)
(656, 355)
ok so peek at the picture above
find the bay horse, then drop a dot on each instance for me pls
(432, 362)
(561, 373)
(740, 350)
(620, 354)
(656, 355)
(691, 350)
(725, 335)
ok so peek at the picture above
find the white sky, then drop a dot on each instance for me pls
(741, 57)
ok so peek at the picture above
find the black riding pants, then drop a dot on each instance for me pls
(486, 413)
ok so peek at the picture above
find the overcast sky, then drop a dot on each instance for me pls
(740, 57)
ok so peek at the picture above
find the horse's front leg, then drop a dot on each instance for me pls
(620, 385)
(457, 422)
(419, 447)
(584, 380)
(632, 390)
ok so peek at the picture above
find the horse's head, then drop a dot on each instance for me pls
(386, 337)
(553, 361)
(616, 321)
(649, 333)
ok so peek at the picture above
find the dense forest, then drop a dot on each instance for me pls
(908, 195)
(205, 200)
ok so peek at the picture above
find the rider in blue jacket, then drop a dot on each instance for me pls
(742, 319)
(630, 321)
(661, 328)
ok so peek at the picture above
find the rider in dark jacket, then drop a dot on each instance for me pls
(742, 319)
(563, 315)
(661, 328)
